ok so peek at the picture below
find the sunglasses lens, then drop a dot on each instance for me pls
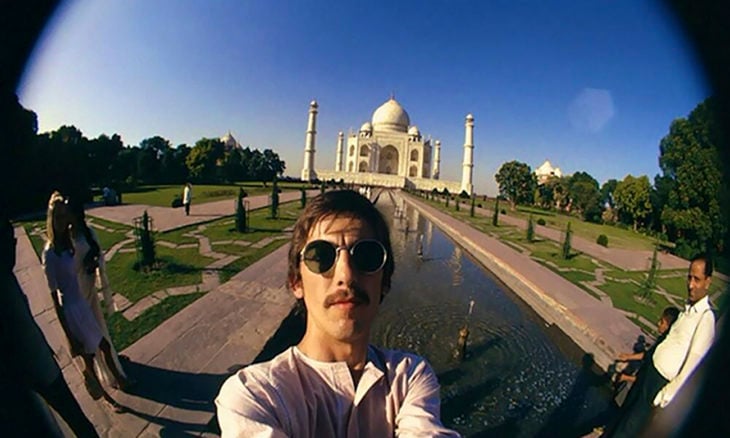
(319, 256)
(368, 256)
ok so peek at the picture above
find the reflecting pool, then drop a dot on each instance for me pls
(519, 378)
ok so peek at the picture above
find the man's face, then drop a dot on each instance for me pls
(697, 282)
(342, 302)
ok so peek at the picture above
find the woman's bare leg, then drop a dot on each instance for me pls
(106, 351)
(89, 371)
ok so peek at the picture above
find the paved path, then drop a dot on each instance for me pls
(594, 325)
(167, 218)
(627, 259)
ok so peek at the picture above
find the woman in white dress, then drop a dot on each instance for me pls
(73, 310)
(90, 270)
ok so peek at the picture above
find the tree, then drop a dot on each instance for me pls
(149, 160)
(274, 200)
(560, 187)
(530, 229)
(495, 213)
(241, 225)
(204, 158)
(649, 283)
(516, 182)
(607, 190)
(471, 209)
(567, 242)
(145, 242)
(695, 213)
(585, 197)
(632, 199)
(659, 197)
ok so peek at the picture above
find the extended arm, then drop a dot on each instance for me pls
(109, 303)
(625, 357)
(419, 415)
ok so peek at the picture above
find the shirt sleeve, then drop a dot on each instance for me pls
(701, 342)
(419, 415)
(242, 414)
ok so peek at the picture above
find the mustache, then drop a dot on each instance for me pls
(352, 293)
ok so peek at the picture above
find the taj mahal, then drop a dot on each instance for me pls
(388, 151)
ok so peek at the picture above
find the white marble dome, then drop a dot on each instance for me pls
(366, 127)
(391, 116)
(413, 130)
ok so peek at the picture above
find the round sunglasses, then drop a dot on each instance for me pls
(367, 256)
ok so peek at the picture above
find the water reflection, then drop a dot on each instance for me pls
(514, 379)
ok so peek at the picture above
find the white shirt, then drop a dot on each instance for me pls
(294, 395)
(187, 195)
(690, 336)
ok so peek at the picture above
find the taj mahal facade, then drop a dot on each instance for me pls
(388, 151)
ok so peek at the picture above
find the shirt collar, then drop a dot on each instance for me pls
(700, 306)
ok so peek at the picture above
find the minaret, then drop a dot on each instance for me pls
(308, 173)
(340, 144)
(468, 166)
(436, 160)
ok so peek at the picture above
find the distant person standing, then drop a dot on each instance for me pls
(675, 358)
(187, 197)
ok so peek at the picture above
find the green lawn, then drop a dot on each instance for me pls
(249, 257)
(181, 267)
(112, 226)
(124, 333)
(622, 295)
(577, 276)
(617, 237)
(619, 274)
(260, 224)
(176, 236)
(107, 239)
(162, 195)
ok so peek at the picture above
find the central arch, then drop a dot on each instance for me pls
(388, 162)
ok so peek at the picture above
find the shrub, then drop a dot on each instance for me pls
(503, 211)
(566, 242)
(176, 202)
(602, 240)
(464, 195)
(541, 221)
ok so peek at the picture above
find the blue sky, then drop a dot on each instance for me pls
(590, 85)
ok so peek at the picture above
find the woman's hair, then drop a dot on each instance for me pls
(76, 209)
(63, 241)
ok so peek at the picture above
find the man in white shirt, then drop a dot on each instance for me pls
(673, 360)
(334, 383)
(187, 198)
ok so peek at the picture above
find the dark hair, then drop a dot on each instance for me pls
(671, 314)
(339, 203)
(76, 208)
(708, 263)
